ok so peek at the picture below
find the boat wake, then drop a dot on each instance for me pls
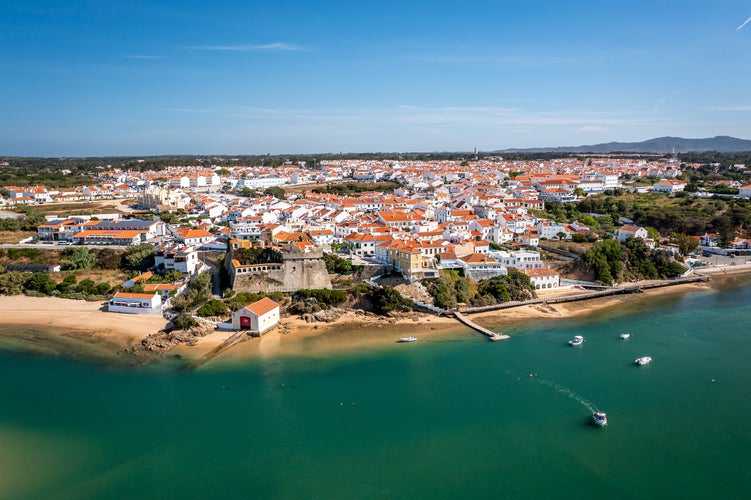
(568, 392)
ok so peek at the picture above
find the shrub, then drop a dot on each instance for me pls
(139, 257)
(77, 258)
(213, 308)
(387, 299)
(183, 321)
(41, 283)
(86, 286)
(328, 297)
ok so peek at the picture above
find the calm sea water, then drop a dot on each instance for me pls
(458, 417)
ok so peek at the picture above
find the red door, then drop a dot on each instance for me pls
(244, 321)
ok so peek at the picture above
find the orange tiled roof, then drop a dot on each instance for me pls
(261, 307)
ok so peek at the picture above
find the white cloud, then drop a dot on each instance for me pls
(743, 25)
(728, 108)
(144, 56)
(276, 46)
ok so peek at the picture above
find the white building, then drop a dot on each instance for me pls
(557, 195)
(543, 278)
(258, 317)
(180, 182)
(178, 258)
(522, 259)
(194, 237)
(628, 231)
(261, 182)
(135, 303)
(609, 180)
(669, 186)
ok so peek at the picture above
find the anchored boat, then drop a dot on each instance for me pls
(578, 340)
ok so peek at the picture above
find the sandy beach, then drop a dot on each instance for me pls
(78, 315)
(352, 331)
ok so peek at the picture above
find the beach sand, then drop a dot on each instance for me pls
(77, 315)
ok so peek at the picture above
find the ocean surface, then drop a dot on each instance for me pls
(452, 417)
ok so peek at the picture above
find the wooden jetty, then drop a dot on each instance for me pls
(493, 336)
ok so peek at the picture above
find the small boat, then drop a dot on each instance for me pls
(578, 340)
(408, 339)
(644, 360)
(624, 336)
(600, 418)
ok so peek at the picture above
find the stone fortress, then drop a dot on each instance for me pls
(302, 266)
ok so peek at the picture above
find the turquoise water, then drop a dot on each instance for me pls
(458, 417)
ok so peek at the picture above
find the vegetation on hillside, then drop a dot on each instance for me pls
(613, 261)
(139, 257)
(384, 299)
(43, 284)
(354, 188)
(452, 289)
(338, 265)
(29, 222)
(727, 216)
(197, 293)
(75, 258)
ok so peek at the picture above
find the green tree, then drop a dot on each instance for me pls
(275, 191)
(40, 282)
(686, 244)
(139, 257)
(183, 321)
(77, 258)
(86, 286)
(213, 308)
(11, 283)
(387, 299)
(653, 233)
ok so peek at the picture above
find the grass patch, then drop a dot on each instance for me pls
(14, 236)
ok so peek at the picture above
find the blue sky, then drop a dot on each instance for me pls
(92, 77)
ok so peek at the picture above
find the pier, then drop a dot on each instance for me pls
(493, 336)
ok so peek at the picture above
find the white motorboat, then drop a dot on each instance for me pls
(600, 418)
(624, 336)
(408, 339)
(644, 360)
(578, 340)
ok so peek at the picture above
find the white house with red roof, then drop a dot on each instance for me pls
(669, 186)
(193, 237)
(478, 266)
(744, 191)
(543, 278)
(629, 231)
(258, 317)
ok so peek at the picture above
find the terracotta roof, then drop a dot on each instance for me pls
(261, 307)
(540, 271)
(478, 258)
(124, 295)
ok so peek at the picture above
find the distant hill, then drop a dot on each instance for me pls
(721, 144)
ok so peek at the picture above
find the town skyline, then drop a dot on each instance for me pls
(164, 78)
